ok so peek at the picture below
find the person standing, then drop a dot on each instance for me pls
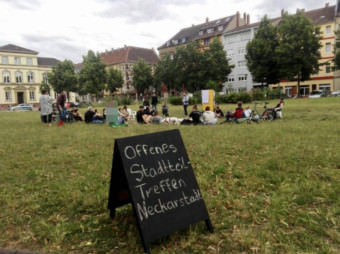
(185, 103)
(46, 107)
(154, 102)
(61, 99)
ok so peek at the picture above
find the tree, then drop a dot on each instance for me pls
(63, 77)
(142, 76)
(261, 55)
(166, 73)
(298, 50)
(190, 67)
(114, 80)
(92, 76)
(217, 67)
(337, 51)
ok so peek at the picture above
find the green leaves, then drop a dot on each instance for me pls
(114, 80)
(63, 77)
(92, 76)
(142, 77)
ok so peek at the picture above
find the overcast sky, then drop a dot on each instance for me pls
(67, 29)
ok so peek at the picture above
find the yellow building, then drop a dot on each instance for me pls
(323, 80)
(22, 72)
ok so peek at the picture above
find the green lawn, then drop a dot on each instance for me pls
(272, 187)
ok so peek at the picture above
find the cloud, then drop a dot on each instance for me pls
(23, 4)
(135, 11)
(57, 46)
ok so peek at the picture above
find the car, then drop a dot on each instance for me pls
(335, 93)
(21, 107)
(316, 94)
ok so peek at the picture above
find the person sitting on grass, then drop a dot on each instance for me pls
(195, 115)
(209, 116)
(218, 112)
(236, 115)
(122, 117)
(165, 109)
(76, 115)
(156, 118)
(143, 117)
(92, 116)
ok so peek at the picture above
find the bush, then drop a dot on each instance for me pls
(258, 95)
(244, 97)
(175, 100)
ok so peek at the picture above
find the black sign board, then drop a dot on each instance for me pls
(154, 173)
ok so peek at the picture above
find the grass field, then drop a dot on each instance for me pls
(272, 187)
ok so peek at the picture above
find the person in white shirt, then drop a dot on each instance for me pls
(209, 117)
(185, 100)
(46, 108)
(247, 112)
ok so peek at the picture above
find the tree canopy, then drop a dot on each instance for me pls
(193, 68)
(298, 50)
(142, 76)
(63, 77)
(261, 56)
(92, 76)
(114, 80)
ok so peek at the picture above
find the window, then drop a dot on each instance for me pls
(17, 60)
(231, 79)
(241, 51)
(220, 28)
(6, 77)
(328, 47)
(4, 60)
(328, 68)
(32, 95)
(45, 81)
(8, 95)
(200, 33)
(210, 30)
(242, 77)
(29, 61)
(175, 42)
(183, 40)
(206, 42)
(30, 78)
(241, 64)
(328, 29)
(18, 77)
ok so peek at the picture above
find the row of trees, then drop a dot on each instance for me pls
(191, 68)
(288, 51)
(93, 77)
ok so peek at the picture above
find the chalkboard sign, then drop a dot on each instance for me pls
(154, 173)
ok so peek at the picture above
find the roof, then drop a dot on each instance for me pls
(47, 61)
(129, 54)
(322, 16)
(192, 33)
(318, 16)
(16, 49)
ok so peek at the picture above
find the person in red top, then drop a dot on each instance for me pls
(237, 114)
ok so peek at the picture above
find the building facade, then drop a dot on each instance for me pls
(124, 59)
(324, 79)
(203, 33)
(22, 72)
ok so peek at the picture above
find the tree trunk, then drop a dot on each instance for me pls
(298, 85)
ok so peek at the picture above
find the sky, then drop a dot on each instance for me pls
(67, 29)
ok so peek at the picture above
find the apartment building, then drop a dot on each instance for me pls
(124, 59)
(203, 33)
